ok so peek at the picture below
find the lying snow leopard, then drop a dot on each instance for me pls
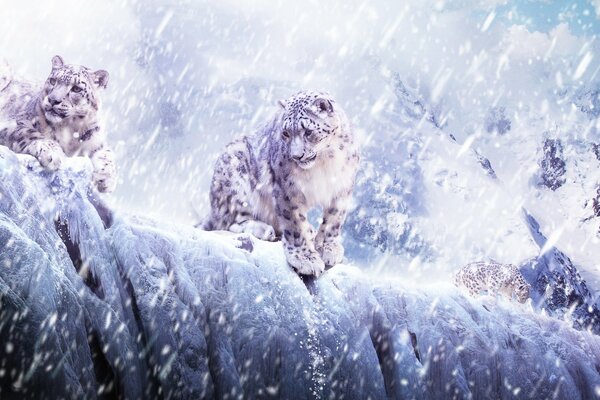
(264, 184)
(494, 278)
(57, 120)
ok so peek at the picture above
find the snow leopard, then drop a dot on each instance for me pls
(494, 278)
(58, 119)
(265, 183)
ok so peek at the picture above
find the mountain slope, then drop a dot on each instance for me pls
(95, 304)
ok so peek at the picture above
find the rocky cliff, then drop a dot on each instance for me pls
(97, 304)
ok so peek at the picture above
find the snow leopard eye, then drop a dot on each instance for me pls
(52, 81)
(285, 134)
(308, 132)
(76, 89)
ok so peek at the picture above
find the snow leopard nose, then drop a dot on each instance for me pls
(53, 100)
(297, 149)
(298, 157)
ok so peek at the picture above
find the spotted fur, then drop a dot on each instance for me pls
(57, 120)
(494, 278)
(266, 183)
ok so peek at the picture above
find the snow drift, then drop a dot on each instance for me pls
(96, 304)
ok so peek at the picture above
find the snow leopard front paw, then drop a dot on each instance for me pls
(49, 154)
(332, 252)
(305, 262)
(258, 229)
(105, 180)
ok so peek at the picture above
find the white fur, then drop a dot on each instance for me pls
(72, 146)
(264, 208)
(325, 181)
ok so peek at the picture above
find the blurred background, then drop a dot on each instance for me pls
(468, 112)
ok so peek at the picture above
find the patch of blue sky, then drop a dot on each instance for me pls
(544, 15)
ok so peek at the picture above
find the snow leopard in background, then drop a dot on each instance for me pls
(494, 278)
(265, 183)
(57, 120)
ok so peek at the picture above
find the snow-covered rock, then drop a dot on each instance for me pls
(97, 304)
(496, 121)
(557, 286)
(552, 165)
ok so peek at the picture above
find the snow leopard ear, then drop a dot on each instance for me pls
(57, 62)
(282, 103)
(100, 78)
(323, 106)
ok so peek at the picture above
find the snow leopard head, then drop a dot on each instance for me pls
(310, 121)
(71, 92)
(521, 289)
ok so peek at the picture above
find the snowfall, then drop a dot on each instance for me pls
(96, 304)
(480, 131)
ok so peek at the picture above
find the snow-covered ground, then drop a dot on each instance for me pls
(97, 303)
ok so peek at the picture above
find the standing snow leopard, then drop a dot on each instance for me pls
(57, 120)
(266, 183)
(494, 278)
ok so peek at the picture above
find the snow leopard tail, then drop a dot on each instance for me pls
(205, 224)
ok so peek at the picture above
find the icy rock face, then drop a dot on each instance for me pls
(389, 188)
(486, 165)
(596, 150)
(552, 164)
(389, 192)
(381, 219)
(588, 101)
(93, 304)
(596, 203)
(557, 286)
(496, 121)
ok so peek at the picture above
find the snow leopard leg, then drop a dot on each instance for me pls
(507, 291)
(495, 286)
(231, 195)
(298, 234)
(105, 172)
(328, 241)
(27, 139)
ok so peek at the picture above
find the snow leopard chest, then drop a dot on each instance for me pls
(76, 140)
(330, 178)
